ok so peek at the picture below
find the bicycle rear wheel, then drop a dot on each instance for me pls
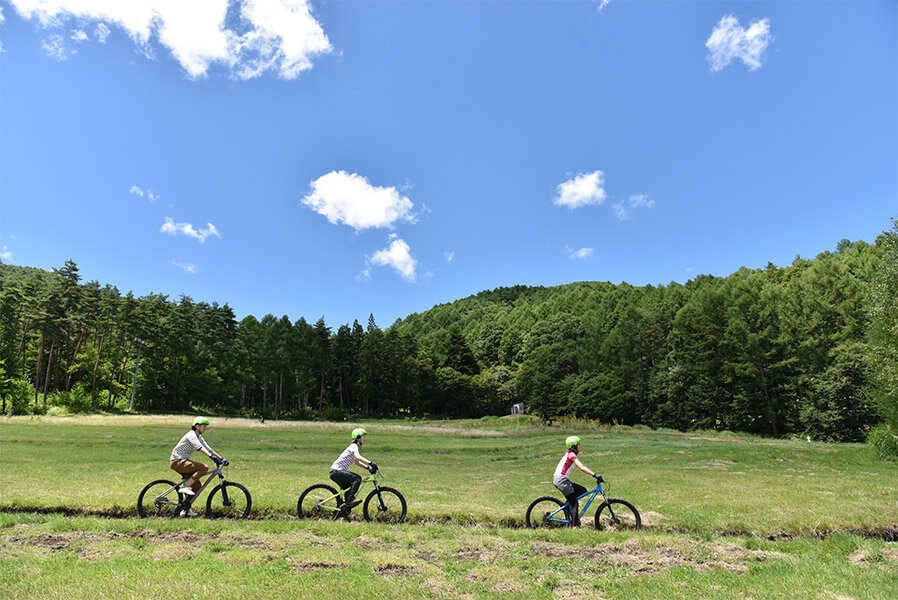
(385, 505)
(547, 512)
(229, 500)
(159, 498)
(618, 515)
(318, 501)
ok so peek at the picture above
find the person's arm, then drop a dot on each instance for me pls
(360, 460)
(206, 448)
(583, 467)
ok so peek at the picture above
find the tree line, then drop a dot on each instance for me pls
(809, 349)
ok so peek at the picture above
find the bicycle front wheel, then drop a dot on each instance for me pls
(229, 500)
(618, 515)
(159, 498)
(547, 512)
(385, 505)
(318, 501)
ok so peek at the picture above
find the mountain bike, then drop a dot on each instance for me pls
(612, 514)
(322, 501)
(162, 498)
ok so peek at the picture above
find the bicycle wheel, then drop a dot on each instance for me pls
(618, 515)
(385, 505)
(548, 512)
(229, 500)
(318, 501)
(159, 498)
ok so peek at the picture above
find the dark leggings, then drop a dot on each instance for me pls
(347, 480)
(575, 505)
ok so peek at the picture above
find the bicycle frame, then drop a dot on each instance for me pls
(593, 493)
(188, 501)
(374, 477)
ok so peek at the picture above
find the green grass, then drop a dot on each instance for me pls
(728, 516)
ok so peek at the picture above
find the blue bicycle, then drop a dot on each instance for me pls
(613, 514)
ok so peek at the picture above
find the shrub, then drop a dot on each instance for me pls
(883, 441)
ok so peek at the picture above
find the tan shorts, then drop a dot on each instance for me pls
(190, 469)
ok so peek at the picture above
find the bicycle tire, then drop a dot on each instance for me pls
(388, 507)
(152, 503)
(622, 517)
(538, 512)
(238, 503)
(318, 501)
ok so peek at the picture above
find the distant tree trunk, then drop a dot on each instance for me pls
(68, 371)
(37, 369)
(93, 381)
(49, 369)
(24, 346)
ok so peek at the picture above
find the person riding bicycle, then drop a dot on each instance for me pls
(342, 476)
(180, 457)
(567, 487)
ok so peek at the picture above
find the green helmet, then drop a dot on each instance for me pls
(200, 421)
(358, 432)
(571, 441)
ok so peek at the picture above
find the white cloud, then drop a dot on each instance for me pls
(6, 255)
(730, 41)
(450, 256)
(172, 228)
(79, 36)
(622, 210)
(603, 3)
(186, 267)
(580, 254)
(54, 47)
(582, 190)
(280, 36)
(102, 32)
(348, 198)
(148, 194)
(397, 255)
(2, 20)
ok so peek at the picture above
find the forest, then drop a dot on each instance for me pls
(808, 349)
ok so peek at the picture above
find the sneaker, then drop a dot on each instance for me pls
(186, 491)
(189, 513)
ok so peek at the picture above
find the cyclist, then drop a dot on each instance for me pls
(340, 473)
(567, 487)
(192, 470)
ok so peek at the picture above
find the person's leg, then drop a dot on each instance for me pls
(579, 490)
(344, 480)
(192, 471)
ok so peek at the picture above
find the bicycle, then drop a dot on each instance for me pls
(322, 501)
(162, 498)
(614, 514)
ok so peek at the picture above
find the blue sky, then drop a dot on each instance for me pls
(343, 158)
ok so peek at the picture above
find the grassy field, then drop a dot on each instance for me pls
(727, 516)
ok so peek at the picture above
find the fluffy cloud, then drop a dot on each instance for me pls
(148, 194)
(186, 267)
(5, 254)
(580, 254)
(172, 228)
(582, 190)
(350, 199)
(622, 210)
(102, 32)
(260, 36)
(730, 41)
(397, 255)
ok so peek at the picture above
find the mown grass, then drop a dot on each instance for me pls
(729, 516)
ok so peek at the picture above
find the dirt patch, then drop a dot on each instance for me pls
(633, 556)
(314, 566)
(887, 557)
(52, 542)
(391, 570)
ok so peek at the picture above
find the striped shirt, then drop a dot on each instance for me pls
(190, 443)
(346, 459)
